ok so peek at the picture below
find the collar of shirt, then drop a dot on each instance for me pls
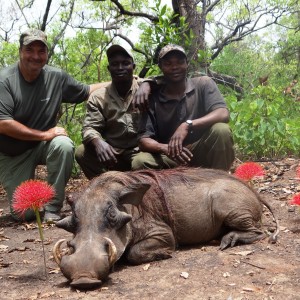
(188, 89)
(113, 93)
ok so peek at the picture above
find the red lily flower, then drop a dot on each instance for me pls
(32, 194)
(295, 200)
(249, 170)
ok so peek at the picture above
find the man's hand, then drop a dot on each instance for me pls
(105, 152)
(54, 132)
(141, 97)
(176, 151)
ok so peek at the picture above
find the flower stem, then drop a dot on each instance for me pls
(38, 219)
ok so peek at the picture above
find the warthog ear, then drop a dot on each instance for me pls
(67, 224)
(133, 194)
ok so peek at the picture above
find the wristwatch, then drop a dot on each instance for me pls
(190, 123)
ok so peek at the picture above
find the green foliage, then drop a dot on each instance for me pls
(246, 61)
(265, 123)
(164, 32)
(9, 54)
(72, 120)
(82, 56)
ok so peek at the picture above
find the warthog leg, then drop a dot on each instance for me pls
(245, 237)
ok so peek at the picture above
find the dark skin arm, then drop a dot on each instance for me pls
(105, 152)
(152, 146)
(141, 97)
(175, 145)
(175, 149)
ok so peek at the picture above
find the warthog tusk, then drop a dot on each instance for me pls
(112, 252)
(56, 251)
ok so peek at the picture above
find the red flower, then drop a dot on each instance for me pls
(247, 171)
(295, 200)
(32, 194)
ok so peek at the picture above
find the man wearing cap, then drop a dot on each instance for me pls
(186, 123)
(31, 93)
(110, 127)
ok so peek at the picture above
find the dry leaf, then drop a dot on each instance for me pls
(47, 295)
(146, 267)
(26, 262)
(4, 265)
(28, 240)
(287, 191)
(54, 271)
(3, 238)
(243, 253)
(3, 248)
(22, 249)
(185, 275)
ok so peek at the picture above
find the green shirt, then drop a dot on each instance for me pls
(35, 104)
(112, 118)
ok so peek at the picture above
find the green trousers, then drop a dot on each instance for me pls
(91, 167)
(213, 150)
(57, 155)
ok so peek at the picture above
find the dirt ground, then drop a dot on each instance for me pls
(257, 271)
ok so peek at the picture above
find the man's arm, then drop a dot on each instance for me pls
(141, 97)
(219, 115)
(147, 144)
(175, 146)
(96, 86)
(19, 131)
(93, 126)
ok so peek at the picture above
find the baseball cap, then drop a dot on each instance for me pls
(32, 35)
(117, 48)
(169, 48)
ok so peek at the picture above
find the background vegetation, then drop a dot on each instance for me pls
(250, 48)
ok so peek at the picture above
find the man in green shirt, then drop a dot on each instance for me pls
(110, 127)
(31, 93)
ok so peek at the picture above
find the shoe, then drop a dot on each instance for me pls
(51, 217)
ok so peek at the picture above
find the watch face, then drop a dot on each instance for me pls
(190, 122)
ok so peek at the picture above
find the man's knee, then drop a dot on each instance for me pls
(79, 153)
(62, 145)
(138, 162)
(221, 130)
(144, 160)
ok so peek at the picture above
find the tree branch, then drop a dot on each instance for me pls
(123, 11)
(61, 33)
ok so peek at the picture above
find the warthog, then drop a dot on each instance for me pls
(148, 213)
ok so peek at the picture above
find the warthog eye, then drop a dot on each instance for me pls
(112, 216)
(71, 248)
(116, 218)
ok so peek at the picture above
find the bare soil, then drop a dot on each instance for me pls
(257, 271)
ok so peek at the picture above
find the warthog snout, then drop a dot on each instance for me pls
(85, 272)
